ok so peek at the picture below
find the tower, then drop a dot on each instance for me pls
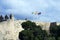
(53, 24)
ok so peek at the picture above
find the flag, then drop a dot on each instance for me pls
(39, 13)
(36, 13)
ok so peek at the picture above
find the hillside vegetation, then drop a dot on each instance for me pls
(33, 32)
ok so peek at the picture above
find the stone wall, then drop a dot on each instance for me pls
(9, 30)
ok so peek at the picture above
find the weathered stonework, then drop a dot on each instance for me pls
(9, 30)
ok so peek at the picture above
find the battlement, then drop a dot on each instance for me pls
(10, 28)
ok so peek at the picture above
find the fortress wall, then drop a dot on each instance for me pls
(18, 27)
(44, 25)
(9, 30)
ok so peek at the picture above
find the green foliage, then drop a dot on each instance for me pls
(50, 38)
(10, 16)
(58, 38)
(55, 31)
(28, 25)
(26, 35)
(6, 17)
(32, 32)
(36, 38)
(1, 18)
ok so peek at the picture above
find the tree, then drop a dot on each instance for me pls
(28, 25)
(1, 18)
(32, 32)
(50, 38)
(10, 16)
(26, 35)
(55, 31)
(6, 17)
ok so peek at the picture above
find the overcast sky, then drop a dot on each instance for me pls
(21, 9)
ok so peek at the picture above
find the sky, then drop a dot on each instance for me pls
(21, 9)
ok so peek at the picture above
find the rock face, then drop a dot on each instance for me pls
(9, 30)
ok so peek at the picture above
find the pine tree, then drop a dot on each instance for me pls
(6, 17)
(10, 16)
(1, 18)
